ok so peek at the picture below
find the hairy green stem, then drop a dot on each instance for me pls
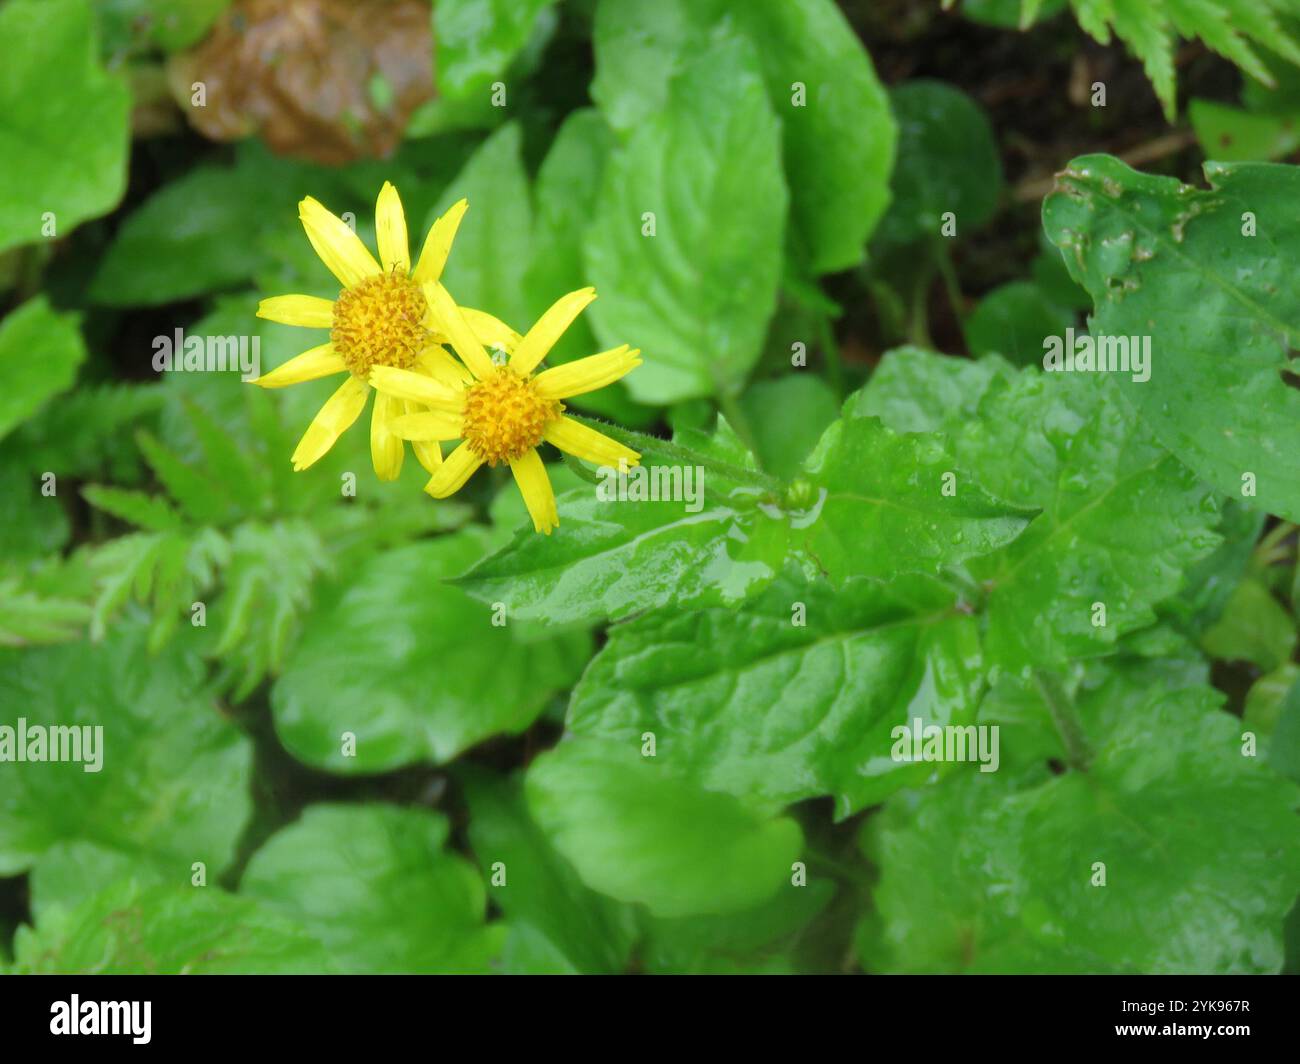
(918, 332)
(950, 283)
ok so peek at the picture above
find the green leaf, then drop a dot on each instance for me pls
(990, 873)
(686, 530)
(839, 143)
(1284, 745)
(1211, 582)
(171, 24)
(752, 940)
(551, 913)
(58, 881)
(837, 132)
(707, 531)
(195, 235)
(411, 907)
(789, 415)
(1232, 134)
(40, 351)
(1013, 320)
(796, 696)
(413, 667)
(948, 162)
(1218, 393)
(133, 928)
(173, 775)
(1253, 627)
(696, 295)
(84, 433)
(637, 832)
(491, 251)
(1264, 706)
(477, 39)
(64, 131)
(887, 503)
(612, 558)
(914, 390)
(567, 184)
(1122, 519)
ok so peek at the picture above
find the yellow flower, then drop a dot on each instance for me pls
(502, 412)
(381, 318)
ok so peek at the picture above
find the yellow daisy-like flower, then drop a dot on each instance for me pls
(382, 317)
(503, 412)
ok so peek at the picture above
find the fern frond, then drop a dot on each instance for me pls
(41, 607)
(268, 588)
(1150, 29)
(200, 496)
(82, 434)
(153, 513)
(164, 571)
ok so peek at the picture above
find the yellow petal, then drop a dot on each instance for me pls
(318, 362)
(450, 477)
(428, 452)
(390, 230)
(437, 363)
(386, 450)
(535, 487)
(427, 425)
(404, 384)
(336, 244)
(587, 374)
(549, 328)
(309, 311)
(451, 323)
(577, 439)
(334, 418)
(491, 332)
(437, 245)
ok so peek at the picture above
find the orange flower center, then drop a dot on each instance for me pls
(380, 322)
(504, 416)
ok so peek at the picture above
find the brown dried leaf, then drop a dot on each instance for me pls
(325, 80)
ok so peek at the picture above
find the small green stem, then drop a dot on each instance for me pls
(1066, 718)
(1270, 549)
(918, 332)
(950, 282)
(888, 306)
(856, 877)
